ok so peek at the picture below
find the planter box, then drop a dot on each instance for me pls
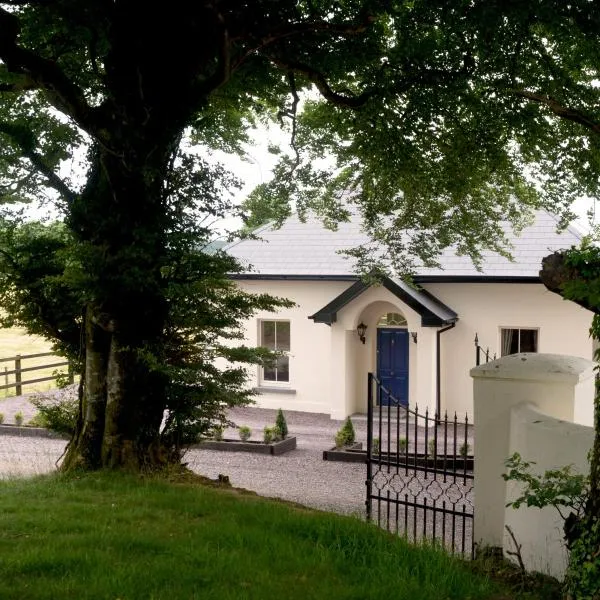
(274, 448)
(28, 431)
(356, 454)
(447, 462)
(351, 454)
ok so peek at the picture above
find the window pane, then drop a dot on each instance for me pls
(392, 320)
(528, 340)
(268, 334)
(270, 373)
(510, 342)
(283, 368)
(283, 335)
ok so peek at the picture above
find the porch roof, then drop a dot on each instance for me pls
(433, 312)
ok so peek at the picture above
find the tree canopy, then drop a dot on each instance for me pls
(443, 118)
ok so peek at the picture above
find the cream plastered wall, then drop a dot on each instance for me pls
(525, 403)
(550, 443)
(485, 308)
(310, 344)
(329, 364)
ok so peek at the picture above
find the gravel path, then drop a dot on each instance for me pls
(300, 475)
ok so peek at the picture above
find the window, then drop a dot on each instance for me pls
(392, 320)
(518, 340)
(275, 335)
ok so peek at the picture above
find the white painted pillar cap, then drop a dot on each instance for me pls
(534, 366)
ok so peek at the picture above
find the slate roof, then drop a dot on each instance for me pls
(308, 249)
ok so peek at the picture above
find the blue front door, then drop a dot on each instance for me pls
(392, 364)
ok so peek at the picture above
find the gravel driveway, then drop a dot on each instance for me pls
(300, 475)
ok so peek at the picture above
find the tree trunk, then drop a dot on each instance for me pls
(85, 447)
(120, 222)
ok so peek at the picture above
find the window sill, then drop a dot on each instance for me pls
(263, 389)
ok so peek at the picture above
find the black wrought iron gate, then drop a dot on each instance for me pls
(419, 472)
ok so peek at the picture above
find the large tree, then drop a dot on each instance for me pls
(441, 116)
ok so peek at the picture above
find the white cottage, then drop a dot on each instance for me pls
(420, 343)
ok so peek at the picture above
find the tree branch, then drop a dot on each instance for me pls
(555, 274)
(23, 139)
(62, 92)
(295, 29)
(293, 116)
(321, 83)
(560, 110)
(223, 70)
(37, 160)
(21, 83)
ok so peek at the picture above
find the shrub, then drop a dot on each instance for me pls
(218, 433)
(245, 433)
(376, 445)
(19, 418)
(58, 411)
(1, 418)
(37, 421)
(281, 425)
(568, 492)
(432, 446)
(402, 444)
(346, 435)
(269, 435)
(464, 450)
(340, 439)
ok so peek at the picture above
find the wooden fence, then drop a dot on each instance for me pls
(19, 369)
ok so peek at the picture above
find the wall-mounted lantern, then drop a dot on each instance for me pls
(361, 329)
(414, 336)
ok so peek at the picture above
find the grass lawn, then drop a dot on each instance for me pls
(119, 537)
(15, 341)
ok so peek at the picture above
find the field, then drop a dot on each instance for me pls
(16, 341)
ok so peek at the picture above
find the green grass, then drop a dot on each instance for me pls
(16, 341)
(115, 536)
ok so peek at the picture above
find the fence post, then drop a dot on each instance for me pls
(18, 386)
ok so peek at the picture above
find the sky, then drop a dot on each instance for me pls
(257, 168)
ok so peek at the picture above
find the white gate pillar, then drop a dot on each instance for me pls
(559, 386)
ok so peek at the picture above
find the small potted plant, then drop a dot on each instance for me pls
(346, 436)
(281, 425)
(345, 445)
(218, 433)
(245, 433)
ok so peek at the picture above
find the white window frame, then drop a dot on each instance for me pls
(262, 382)
(519, 328)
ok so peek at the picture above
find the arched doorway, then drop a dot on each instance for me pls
(393, 358)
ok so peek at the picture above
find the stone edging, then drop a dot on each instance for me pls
(352, 454)
(274, 448)
(27, 431)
